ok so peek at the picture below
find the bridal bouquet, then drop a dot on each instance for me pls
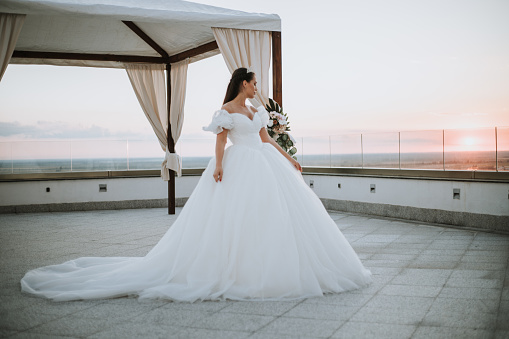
(278, 126)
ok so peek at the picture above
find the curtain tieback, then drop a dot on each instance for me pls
(171, 161)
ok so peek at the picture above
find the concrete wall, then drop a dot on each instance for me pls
(85, 194)
(474, 197)
(481, 204)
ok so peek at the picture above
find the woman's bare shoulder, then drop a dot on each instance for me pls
(227, 107)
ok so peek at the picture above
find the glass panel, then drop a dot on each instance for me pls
(145, 154)
(346, 150)
(99, 155)
(299, 144)
(5, 158)
(41, 156)
(196, 153)
(503, 148)
(381, 150)
(422, 150)
(470, 149)
(315, 151)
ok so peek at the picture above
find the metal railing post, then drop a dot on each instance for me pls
(399, 149)
(330, 153)
(362, 154)
(70, 152)
(443, 149)
(496, 150)
(127, 152)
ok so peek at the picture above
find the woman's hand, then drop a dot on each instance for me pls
(296, 164)
(218, 173)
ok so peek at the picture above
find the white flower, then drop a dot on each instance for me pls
(270, 123)
(283, 122)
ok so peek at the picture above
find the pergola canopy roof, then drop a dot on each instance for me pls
(100, 27)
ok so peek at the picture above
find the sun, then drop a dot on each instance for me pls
(469, 141)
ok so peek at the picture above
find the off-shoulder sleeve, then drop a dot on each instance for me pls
(220, 120)
(264, 115)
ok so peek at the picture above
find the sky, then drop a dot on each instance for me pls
(349, 66)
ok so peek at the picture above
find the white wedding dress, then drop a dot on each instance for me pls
(259, 234)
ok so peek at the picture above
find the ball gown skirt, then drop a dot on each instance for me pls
(259, 234)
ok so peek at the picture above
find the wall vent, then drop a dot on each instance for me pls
(339, 185)
(103, 188)
(311, 183)
(456, 193)
(372, 188)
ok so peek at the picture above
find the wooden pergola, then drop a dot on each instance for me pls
(163, 58)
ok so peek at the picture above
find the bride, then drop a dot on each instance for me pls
(251, 230)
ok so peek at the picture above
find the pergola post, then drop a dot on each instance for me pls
(277, 68)
(171, 145)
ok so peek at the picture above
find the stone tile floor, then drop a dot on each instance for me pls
(429, 282)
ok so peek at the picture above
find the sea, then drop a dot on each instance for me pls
(463, 161)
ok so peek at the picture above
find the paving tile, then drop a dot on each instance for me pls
(200, 333)
(432, 332)
(460, 320)
(473, 282)
(170, 316)
(396, 302)
(114, 311)
(422, 277)
(389, 315)
(301, 327)
(342, 299)
(134, 330)
(456, 305)
(501, 334)
(470, 293)
(36, 335)
(24, 319)
(272, 308)
(200, 306)
(233, 322)
(353, 329)
(74, 326)
(322, 311)
(411, 291)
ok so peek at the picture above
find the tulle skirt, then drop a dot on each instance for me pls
(259, 234)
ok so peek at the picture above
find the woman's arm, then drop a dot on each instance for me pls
(220, 144)
(264, 135)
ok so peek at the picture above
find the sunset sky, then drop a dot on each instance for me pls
(348, 67)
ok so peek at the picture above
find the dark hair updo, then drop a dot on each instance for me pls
(238, 76)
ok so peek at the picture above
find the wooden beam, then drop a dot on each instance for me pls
(88, 57)
(146, 38)
(277, 68)
(171, 144)
(116, 57)
(194, 52)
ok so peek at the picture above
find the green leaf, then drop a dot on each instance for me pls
(289, 143)
(292, 151)
(284, 137)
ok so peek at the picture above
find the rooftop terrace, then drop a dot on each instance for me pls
(429, 282)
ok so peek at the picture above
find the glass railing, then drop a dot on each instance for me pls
(482, 149)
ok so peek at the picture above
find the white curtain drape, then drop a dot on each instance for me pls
(178, 81)
(10, 27)
(148, 82)
(244, 48)
(149, 85)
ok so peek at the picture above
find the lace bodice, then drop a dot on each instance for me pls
(241, 129)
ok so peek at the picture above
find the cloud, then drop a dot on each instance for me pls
(61, 130)
(461, 114)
